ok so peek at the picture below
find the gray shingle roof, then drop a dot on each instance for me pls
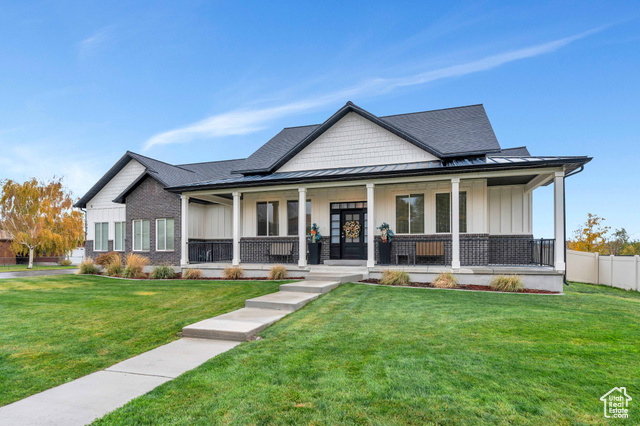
(520, 151)
(445, 133)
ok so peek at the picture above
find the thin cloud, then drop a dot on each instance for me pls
(244, 121)
(90, 44)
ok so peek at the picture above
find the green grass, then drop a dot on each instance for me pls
(382, 355)
(57, 328)
(13, 268)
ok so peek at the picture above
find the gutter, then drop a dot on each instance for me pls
(564, 214)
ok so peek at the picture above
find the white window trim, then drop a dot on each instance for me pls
(165, 234)
(95, 236)
(133, 236)
(424, 207)
(281, 205)
(435, 225)
(124, 235)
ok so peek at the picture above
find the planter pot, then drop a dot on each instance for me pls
(385, 252)
(314, 253)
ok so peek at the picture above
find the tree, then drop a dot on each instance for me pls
(631, 249)
(591, 237)
(40, 217)
(618, 241)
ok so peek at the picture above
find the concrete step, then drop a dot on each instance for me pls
(307, 286)
(340, 277)
(287, 301)
(240, 325)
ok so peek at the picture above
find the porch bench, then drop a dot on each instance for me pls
(280, 249)
(420, 249)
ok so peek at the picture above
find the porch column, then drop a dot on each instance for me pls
(236, 228)
(558, 219)
(371, 226)
(302, 226)
(455, 223)
(184, 231)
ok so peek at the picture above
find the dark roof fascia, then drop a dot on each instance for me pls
(121, 198)
(347, 108)
(123, 161)
(576, 161)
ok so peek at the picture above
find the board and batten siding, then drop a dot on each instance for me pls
(101, 207)
(210, 221)
(352, 142)
(509, 210)
(385, 195)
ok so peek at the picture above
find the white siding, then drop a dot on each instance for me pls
(509, 210)
(101, 207)
(355, 141)
(209, 221)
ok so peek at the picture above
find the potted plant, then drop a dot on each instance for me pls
(314, 245)
(384, 247)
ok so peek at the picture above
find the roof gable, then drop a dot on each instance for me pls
(355, 141)
(443, 133)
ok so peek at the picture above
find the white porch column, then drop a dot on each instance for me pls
(184, 230)
(371, 226)
(302, 226)
(455, 223)
(558, 220)
(236, 228)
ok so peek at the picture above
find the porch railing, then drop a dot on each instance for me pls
(542, 252)
(518, 251)
(210, 251)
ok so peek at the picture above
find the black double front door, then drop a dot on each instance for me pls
(352, 241)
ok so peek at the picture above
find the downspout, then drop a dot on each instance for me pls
(564, 218)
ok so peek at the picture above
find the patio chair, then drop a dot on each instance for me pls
(429, 249)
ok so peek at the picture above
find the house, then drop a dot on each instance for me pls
(454, 197)
(7, 257)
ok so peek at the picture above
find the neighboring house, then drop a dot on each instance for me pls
(7, 257)
(452, 195)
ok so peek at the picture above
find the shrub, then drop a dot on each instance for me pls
(445, 280)
(394, 277)
(191, 274)
(65, 262)
(135, 264)
(233, 273)
(162, 272)
(509, 283)
(87, 267)
(278, 272)
(114, 269)
(106, 259)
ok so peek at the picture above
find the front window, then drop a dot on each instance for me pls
(268, 223)
(292, 217)
(410, 214)
(120, 231)
(443, 212)
(141, 235)
(164, 235)
(101, 239)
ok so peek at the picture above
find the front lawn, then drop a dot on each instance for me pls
(13, 268)
(57, 328)
(382, 355)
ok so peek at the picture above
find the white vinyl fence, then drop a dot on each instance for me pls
(616, 271)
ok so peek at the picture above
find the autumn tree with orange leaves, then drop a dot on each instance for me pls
(40, 218)
(591, 237)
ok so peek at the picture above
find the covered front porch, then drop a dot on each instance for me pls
(460, 223)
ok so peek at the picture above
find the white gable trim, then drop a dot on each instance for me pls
(355, 141)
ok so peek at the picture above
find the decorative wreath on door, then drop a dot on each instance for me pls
(352, 229)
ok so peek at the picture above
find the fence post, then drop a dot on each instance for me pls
(635, 270)
(611, 270)
(597, 268)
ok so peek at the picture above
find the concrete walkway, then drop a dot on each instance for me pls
(90, 397)
(39, 273)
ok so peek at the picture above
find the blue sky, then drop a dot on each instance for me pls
(82, 82)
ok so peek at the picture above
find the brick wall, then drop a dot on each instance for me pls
(150, 201)
(510, 249)
(256, 249)
(88, 249)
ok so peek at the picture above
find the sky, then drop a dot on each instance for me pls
(83, 82)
